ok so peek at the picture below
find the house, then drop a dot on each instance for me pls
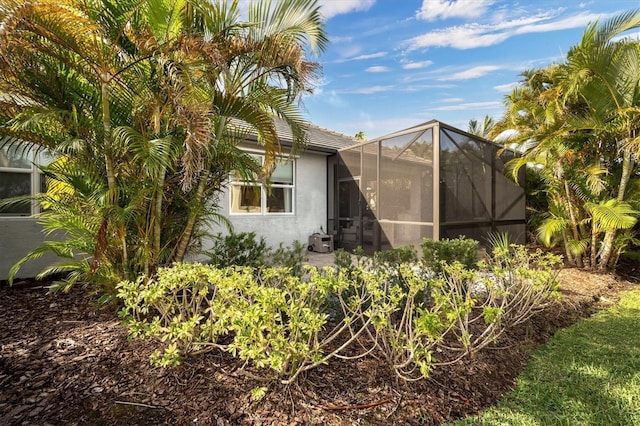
(300, 197)
(429, 181)
(19, 231)
(294, 207)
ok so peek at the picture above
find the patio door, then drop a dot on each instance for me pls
(349, 213)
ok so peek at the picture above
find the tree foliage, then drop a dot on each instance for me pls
(147, 100)
(577, 124)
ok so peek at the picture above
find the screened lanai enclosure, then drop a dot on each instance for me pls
(430, 181)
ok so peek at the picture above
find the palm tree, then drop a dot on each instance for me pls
(481, 129)
(151, 98)
(604, 72)
(534, 121)
(576, 122)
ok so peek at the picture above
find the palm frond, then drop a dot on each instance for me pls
(551, 227)
(577, 247)
(613, 214)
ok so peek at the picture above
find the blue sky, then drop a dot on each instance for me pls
(392, 64)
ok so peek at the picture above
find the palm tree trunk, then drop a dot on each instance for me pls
(157, 223)
(108, 160)
(566, 248)
(610, 235)
(110, 169)
(572, 222)
(594, 245)
(191, 221)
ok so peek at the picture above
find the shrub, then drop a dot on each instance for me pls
(271, 318)
(276, 320)
(461, 249)
(292, 257)
(345, 261)
(245, 249)
(466, 308)
(238, 249)
(396, 256)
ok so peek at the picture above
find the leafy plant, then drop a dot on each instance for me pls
(576, 123)
(292, 257)
(147, 101)
(396, 256)
(462, 309)
(238, 249)
(344, 260)
(246, 249)
(462, 249)
(270, 318)
(399, 312)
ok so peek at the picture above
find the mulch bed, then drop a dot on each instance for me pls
(61, 361)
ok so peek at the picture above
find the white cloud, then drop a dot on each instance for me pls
(468, 74)
(475, 35)
(369, 90)
(423, 87)
(331, 8)
(369, 56)
(460, 37)
(434, 9)
(349, 55)
(469, 106)
(328, 8)
(340, 39)
(635, 35)
(506, 88)
(577, 21)
(378, 69)
(417, 65)
(335, 99)
(451, 100)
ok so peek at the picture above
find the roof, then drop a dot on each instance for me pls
(321, 140)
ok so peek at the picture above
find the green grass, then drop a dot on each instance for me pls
(587, 374)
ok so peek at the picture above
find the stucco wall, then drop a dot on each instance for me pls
(310, 208)
(18, 236)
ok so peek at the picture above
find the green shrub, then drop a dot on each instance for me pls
(245, 249)
(396, 256)
(271, 318)
(466, 308)
(276, 320)
(461, 249)
(344, 260)
(292, 257)
(238, 249)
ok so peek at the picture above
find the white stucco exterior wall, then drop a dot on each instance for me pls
(310, 208)
(18, 236)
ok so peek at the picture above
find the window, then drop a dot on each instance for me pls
(256, 198)
(19, 176)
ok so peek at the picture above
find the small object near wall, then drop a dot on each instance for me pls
(320, 243)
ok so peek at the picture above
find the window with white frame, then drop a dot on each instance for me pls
(19, 176)
(252, 197)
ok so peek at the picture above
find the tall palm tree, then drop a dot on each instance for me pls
(152, 97)
(534, 120)
(576, 120)
(604, 71)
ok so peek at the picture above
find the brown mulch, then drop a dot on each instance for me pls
(61, 361)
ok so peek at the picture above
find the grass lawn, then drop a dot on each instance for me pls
(588, 374)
